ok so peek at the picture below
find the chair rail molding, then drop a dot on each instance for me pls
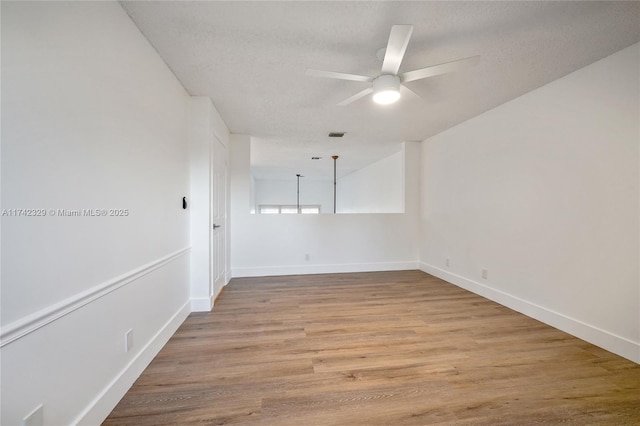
(32, 322)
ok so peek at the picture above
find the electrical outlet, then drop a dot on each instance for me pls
(34, 418)
(447, 262)
(485, 274)
(307, 256)
(128, 340)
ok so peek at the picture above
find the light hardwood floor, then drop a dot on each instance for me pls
(384, 348)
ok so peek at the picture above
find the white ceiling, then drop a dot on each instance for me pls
(250, 59)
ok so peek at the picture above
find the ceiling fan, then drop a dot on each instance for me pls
(386, 87)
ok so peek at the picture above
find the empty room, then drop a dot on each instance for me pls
(320, 213)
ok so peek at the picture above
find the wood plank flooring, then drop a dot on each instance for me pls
(384, 348)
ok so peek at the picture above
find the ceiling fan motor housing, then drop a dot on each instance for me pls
(386, 89)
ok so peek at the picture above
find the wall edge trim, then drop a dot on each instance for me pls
(609, 341)
(32, 322)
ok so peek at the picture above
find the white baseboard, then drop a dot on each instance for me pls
(201, 304)
(103, 404)
(604, 339)
(268, 271)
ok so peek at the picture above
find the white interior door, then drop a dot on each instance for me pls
(218, 216)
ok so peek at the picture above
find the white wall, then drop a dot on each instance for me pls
(377, 188)
(277, 244)
(92, 119)
(252, 195)
(543, 193)
(284, 192)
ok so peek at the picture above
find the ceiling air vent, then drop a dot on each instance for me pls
(336, 134)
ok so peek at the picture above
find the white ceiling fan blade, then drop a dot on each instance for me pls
(407, 93)
(357, 96)
(439, 69)
(397, 45)
(337, 75)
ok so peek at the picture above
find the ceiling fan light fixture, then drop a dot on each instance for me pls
(386, 89)
(386, 97)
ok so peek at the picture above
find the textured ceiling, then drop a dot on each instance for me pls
(250, 59)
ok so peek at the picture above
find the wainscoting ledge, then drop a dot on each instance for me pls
(22, 327)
